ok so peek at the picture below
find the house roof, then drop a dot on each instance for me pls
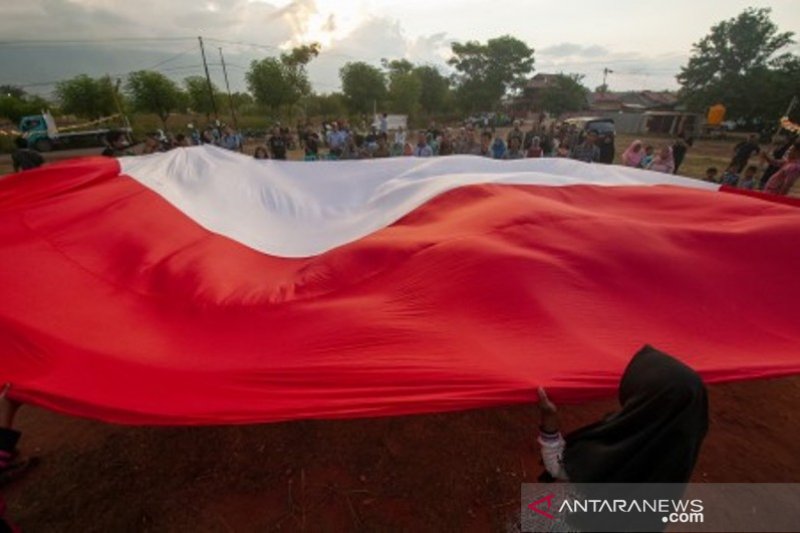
(541, 80)
(634, 99)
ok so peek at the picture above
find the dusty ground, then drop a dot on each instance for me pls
(441, 472)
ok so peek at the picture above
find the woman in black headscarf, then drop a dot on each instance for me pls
(654, 438)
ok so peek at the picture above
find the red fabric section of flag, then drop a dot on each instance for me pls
(117, 306)
(786, 200)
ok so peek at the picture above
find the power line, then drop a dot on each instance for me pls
(45, 42)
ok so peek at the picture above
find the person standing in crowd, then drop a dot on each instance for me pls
(784, 179)
(384, 124)
(277, 144)
(23, 158)
(371, 140)
(743, 151)
(679, 149)
(446, 146)
(607, 149)
(207, 137)
(11, 467)
(382, 149)
(529, 135)
(632, 157)
(535, 150)
(587, 151)
(663, 162)
(399, 141)
(433, 131)
(514, 149)
(778, 153)
(337, 139)
(151, 144)
(311, 141)
(433, 142)
(749, 180)
(357, 148)
(711, 175)
(115, 144)
(515, 133)
(422, 149)
(546, 140)
(181, 141)
(261, 153)
(485, 148)
(194, 135)
(572, 136)
(498, 147)
(231, 140)
(471, 146)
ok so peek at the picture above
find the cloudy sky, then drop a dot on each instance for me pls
(642, 42)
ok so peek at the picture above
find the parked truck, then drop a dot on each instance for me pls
(43, 135)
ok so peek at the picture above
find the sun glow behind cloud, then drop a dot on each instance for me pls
(322, 21)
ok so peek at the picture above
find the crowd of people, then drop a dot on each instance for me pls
(781, 167)
(337, 140)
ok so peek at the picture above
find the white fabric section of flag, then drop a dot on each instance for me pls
(300, 209)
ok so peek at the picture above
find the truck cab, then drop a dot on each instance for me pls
(38, 130)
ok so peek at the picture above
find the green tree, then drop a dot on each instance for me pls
(281, 82)
(327, 106)
(434, 89)
(152, 92)
(12, 90)
(15, 105)
(87, 97)
(363, 85)
(199, 96)
(405, 87)
(565, 93)
(487, 72)
(742, 64)
(269, 82)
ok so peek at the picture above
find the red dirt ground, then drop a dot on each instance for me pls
(440, 472)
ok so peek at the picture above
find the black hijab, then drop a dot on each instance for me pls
(655, 437)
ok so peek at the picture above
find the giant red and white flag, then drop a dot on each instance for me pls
(201, 286)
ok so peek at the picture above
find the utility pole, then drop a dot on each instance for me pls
(208, 79)
(115, 94)
(228, 86)
(606, 72)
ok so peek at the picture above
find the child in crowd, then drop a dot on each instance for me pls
(535, 149)
(498, 147)
(663, 162)
(261, 153)
(730, 177)
(749, 181)
(649, 155)
(712, 175)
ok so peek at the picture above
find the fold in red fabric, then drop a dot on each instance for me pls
(117, 306)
